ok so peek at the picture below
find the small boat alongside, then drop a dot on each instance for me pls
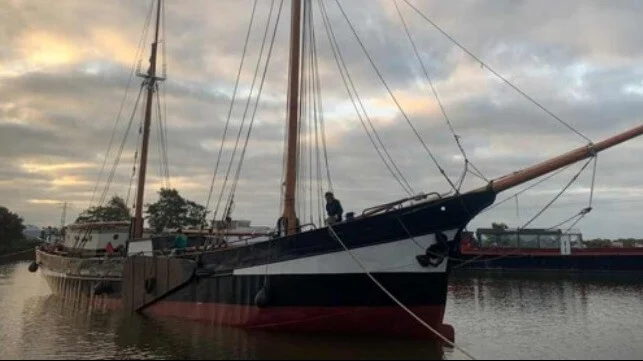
(534, 249)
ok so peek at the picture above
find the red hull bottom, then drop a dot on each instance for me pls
(390, 321)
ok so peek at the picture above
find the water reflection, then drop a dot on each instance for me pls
(45, 327)
(495, 317)
(60, 331)
(199, 341)
(544, 315)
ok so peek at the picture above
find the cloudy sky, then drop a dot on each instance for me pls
(65, 65)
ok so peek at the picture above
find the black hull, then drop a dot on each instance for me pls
(414, 221)
(329, 290)
(338, 304)
(307, 282)
(303, 282)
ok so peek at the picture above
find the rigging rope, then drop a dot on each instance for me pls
(284, 152)
(165, 139)
(320, 113)
(114, 165)
(317, 111)
(392, 297)
(159, 146)
(348, 83)
(252, 119)
(234, 96)
(583, 212)
(467, 162)
(309, 132)
(163, 118)
(131, 180)
(557, 195)
(578, 216)
(591, 194)
(301, 208)
(122, 146)
(165, 166)
(524, 190)
(581, 215)
(483, 64)
(139, 49)
(243, 118)
(311, 112)
(164, 50)
(137, 59)
(390, 92)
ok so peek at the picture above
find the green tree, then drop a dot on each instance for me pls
(495, 237)
(11, 227)
(115, 210)
(598, 243)
(195, 215)
(174, 211)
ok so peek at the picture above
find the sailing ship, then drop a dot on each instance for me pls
(86, 262)
(351, 276)
(82, 266)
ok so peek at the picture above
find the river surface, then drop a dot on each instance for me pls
(494, 316)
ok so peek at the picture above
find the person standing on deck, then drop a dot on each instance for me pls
(333, 208)
(180, 241)
(109, 249)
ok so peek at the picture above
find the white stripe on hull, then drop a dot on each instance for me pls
(398, 257)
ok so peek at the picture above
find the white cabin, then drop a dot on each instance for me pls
(96, 235)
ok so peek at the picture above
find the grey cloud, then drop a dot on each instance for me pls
(65, 115)
(585, 26)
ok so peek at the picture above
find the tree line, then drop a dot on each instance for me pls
(171, 210)
(11, 228)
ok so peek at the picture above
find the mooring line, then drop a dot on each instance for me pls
(334, 234)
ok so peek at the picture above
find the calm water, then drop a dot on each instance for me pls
(494, 317)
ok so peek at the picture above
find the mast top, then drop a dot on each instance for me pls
(150, 74)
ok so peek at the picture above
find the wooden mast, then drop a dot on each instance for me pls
(289, 216)
(537, 170)
(150, 82)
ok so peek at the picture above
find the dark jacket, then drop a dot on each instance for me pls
(334, 208)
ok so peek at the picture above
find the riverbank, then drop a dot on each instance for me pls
(19, 251)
